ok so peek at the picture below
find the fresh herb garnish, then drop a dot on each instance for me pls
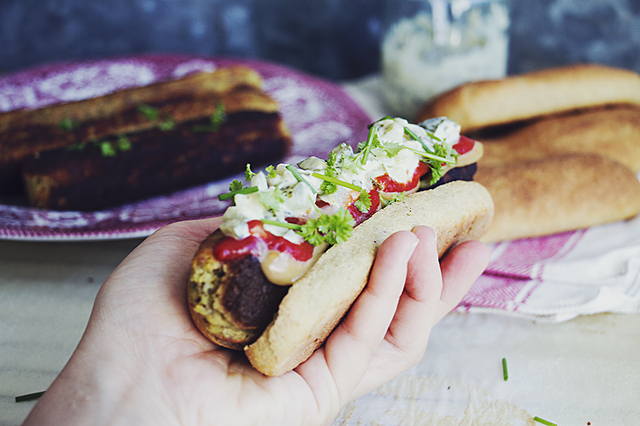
(271, 172)
(149, 112)
(397, 197)
(235, 185)
(372, 139)
(272, 199)
(230, 195)
(299, 177)
(248, 174)
(363, 203)
(29, 396)
(217, 119)
(329, 229)
(543, 421)
(68, 125)
(167, 125)
(153, 113)
(505, 373)
(337, 181)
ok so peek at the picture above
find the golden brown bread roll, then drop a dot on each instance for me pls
(563, 193)
(493, 102)
(611, 132)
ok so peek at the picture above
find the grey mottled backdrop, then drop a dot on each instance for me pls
(336, 39)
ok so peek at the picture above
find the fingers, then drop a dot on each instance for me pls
(349, 349)
(407, 335)
(460, 269)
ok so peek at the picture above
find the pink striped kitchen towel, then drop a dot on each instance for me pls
(559, 277)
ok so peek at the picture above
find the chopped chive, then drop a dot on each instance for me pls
(282, 224)
(367, 144)
(337, 181)
(433, 157)
(29, 396)
(543, 421)
(230, 195)
(505, 373)
(415, 137)
(299, 177)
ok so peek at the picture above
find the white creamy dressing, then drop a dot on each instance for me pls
(297, 198)
(427, 54)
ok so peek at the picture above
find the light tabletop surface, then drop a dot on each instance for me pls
(581, 372)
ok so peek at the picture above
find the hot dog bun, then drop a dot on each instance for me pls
(494, 102)
(314, 305)
(609, 131)
(563, 193)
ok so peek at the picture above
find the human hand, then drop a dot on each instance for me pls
(142, 360)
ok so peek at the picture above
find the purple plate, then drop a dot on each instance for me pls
(319, 115)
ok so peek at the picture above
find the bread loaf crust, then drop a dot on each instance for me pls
(494, 102)
(612, 132)
(564, 193)
(314, 305)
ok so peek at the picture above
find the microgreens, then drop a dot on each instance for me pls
(248, 174)
(272, 199)
(271, 172)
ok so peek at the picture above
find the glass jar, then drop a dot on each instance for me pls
(431, 46)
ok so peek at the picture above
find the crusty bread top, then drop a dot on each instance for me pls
(612, 132)
(486, 103)
(558, 194)
(315, 304)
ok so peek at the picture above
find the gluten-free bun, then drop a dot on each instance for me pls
(494, 102)
(316, 303)
(612, 132)
(542, 197)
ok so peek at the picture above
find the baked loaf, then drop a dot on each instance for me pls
(520, 97)
(613, 132)
(315, 304)
(140, 142)
(563, 193)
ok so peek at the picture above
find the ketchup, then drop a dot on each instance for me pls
(229, 248)
(464, 145)
(389, 185)
(359, 216)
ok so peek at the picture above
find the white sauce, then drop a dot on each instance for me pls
(281, 195)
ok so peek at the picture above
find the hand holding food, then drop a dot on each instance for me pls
(143, 361)
(278, 230)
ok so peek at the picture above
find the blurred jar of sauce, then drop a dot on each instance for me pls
(431, 46)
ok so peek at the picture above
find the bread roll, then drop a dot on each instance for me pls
(492, 102)
(611, 132)
(315, 304)
(548, 196)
